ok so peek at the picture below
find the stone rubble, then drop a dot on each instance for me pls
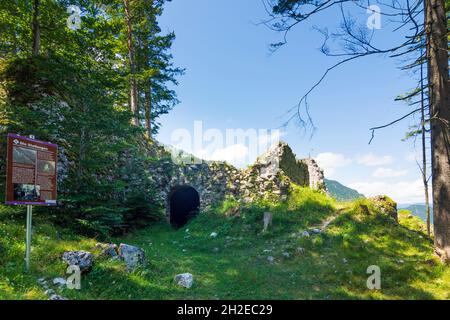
(185, 280)
(134, 257)
(83, 259)
(269, 177)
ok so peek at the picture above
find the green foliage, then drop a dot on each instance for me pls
(155, 73)
(59, 101)
(75, 93)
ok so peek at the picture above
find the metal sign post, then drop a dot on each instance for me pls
(31, 178)
(28, 237)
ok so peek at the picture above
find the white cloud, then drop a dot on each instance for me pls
(372, 160)
(404, 192)
(389, 173)
(236, 154)
(240, 154)
(329, 161)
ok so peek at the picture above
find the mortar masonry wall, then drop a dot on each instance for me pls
(269, 177)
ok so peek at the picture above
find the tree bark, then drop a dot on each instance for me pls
(36, 29)
(437, 55)
(148, 93)
(148, 108)
(425, 178)
(424, 149)
(132, 62)
(15, 44)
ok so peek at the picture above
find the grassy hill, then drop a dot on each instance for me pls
(235, 265)
(341, 192)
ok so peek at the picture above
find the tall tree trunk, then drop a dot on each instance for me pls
(437, 55)
(148, 108)
(148, 93)
(15, 49)
(36, 29)
(424, 175)
(131, 56)
(424, 150)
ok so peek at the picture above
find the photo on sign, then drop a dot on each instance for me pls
(24, 155)
(46, 167)
(26, 192)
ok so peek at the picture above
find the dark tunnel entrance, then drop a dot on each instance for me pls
(184, 204)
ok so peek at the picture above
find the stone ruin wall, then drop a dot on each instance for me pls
(269, 177)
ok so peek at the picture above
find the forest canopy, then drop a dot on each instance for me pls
(93, 77)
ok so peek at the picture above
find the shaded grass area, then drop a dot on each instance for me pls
(235, 265)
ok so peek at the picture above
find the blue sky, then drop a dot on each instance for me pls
(232, 81)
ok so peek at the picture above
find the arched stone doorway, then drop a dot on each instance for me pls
(184, 204)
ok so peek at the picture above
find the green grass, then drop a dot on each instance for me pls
(234, 265)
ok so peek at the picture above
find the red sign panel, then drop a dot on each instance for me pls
(31, 171)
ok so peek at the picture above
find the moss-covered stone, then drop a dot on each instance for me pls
(386, 206)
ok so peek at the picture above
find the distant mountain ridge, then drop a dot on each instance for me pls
(340, 192)
(417, 210)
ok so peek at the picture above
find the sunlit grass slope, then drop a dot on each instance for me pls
(235, 264)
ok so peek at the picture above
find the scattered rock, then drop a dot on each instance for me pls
(57, 297)
(344, 260)
(184, 280)
(49, 292)
(316, 231)
(267, 220)
(214, 235)
(133, 256)
(59, 281)
(271, 259)
(82, 259)
(107, 249)
(300, 250)
(286, 255)
(305, 234)
(42, 281)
